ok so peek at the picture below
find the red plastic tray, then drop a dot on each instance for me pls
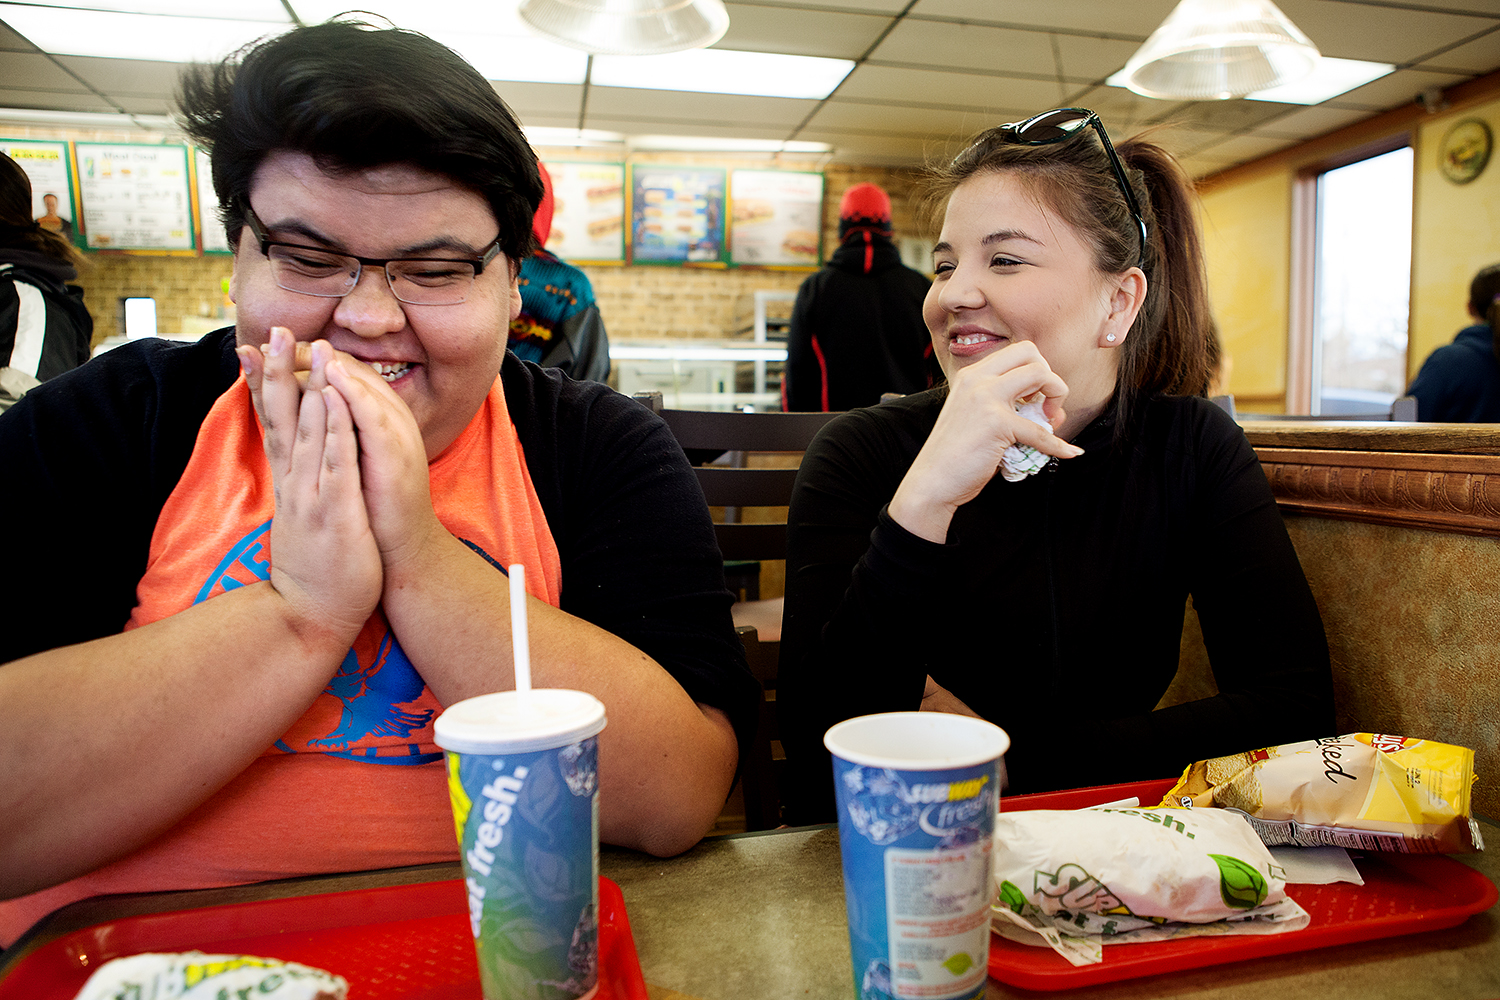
(1402, 894)
(406, 942)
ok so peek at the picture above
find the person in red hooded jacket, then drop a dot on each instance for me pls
(559, 326)
(857, 330)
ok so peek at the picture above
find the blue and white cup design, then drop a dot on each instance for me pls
(917, 794)
(527, 821)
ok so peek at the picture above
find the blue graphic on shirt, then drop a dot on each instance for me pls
(374, 693)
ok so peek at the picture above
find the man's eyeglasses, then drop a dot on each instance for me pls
(1064, 123)
(421, 281)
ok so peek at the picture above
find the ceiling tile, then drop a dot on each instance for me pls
(1225, 116)
(940, 43)
(1377, 32)
(527, 99)
(52, 100)
(940, 89)
(1240, 148)
(37, 71)
(11, 41)
(145, 104)
(1135, 20)
(1309, 123)
(1478, 56)
(850, 148)
(1123, 111)
(944, 123)
(1400, 87)
(838, 35)
(672, 108)
(858, 6)
(130, 76)
(1091, 59)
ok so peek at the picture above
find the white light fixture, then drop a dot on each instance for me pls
(1216, 49)
(725, 71)
(628, 27)
(1332, 78)
(158, 37)
(548, 135)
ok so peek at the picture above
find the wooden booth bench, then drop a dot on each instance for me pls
(1397, 526)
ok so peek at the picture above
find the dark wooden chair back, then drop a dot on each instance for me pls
(732, 486)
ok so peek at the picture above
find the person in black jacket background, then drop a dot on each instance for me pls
(857, 329)
(44, 328)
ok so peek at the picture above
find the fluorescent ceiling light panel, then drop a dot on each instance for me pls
(713, 144)
(1330, 78)
(111, 119)
(546, 135)
(73, 32)
(518, 60)
(234, 10)
(724, 71)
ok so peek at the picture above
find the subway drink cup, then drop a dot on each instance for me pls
(917, 794)
(523, 780)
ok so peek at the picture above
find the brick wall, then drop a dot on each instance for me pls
(182, 286)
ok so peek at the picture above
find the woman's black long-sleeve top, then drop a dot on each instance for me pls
(1056, 607)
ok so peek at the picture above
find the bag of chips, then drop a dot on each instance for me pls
(1366, 791)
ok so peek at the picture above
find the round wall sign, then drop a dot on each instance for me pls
(1465, 150)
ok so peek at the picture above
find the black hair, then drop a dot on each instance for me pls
(1169, 349)
(353, 96)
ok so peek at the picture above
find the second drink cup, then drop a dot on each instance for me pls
(917, 794)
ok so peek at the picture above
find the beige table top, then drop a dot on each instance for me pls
(761, 917)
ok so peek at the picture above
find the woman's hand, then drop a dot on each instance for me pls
(977, 423)
(324, 559)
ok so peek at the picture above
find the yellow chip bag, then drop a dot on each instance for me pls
(1365, 791)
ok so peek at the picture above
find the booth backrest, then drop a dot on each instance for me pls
(1398, 531)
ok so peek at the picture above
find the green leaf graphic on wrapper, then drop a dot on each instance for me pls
(1012, 897)
(958, 963)
(1239, 883)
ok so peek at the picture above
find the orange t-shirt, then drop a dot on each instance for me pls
(357, 782)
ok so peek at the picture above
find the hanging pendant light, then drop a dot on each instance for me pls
(628, 27)
(1215, 49)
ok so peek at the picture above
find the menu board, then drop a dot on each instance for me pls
(135, 197)
(677, 215)
(775, 217)
(46, 166)
(588, 212)
(210, 229)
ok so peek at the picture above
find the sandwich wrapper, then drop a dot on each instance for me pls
(1022, 460)
(1076, 879)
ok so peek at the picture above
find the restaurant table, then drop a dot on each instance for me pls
(760, 916)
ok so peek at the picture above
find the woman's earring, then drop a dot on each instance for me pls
(1110, 337)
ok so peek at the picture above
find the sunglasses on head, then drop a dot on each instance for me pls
(1061, 124)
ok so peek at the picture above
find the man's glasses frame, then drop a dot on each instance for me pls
(352, 279)
(1061, 124)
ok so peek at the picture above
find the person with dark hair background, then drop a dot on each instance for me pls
(856, 331)
(308, 519)
(1460, 382)
(559, 326)
(1020, 543)
(45, 328)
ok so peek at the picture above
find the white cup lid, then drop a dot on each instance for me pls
(917, 741)
(519, 721)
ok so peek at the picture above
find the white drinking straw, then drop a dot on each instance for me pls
(518, 627)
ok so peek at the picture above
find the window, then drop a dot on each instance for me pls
(1362, 284)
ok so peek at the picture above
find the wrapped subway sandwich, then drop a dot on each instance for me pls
(1076, 879)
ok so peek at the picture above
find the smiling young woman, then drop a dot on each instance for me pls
(1069, 283)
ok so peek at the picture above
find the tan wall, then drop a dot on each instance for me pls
(1247, 236)
(1454, 236)
(1248, 219)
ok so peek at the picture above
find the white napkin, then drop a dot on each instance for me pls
(1022, 460)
